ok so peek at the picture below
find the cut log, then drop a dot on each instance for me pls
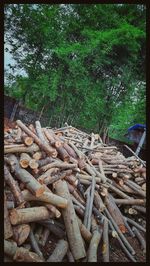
(86, 234)
(28, 215)
(10, 248)
(69, 150)
(46, 197)
(71, 223)
(98, 202)
(33, 164)
(92, 251)
(30, 149)
(59, 251)
(21, 233)
(130, 201)
(37, 155)
(49, 150)
(24, 160)
(8, 232)
(105, 247)
(13, 186)
(25, 255)
(27, 140)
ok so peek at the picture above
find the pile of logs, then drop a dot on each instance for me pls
(68, 183)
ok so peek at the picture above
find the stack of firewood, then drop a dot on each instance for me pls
(68, 183)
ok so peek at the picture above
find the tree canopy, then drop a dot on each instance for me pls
(84, 63)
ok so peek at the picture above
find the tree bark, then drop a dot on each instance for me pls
(47, 197)
(21, 233)
(8, 232)
(59, 252)
(28, 215)
(71, 223)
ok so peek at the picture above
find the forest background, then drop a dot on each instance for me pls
(83, 64)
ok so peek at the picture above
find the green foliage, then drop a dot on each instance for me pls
(82, 62)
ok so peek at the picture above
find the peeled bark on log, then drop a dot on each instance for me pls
(92, 251)
(47, 197)
(130, 201)
(28, 215)
(71, 223)
(59, 251)
(8, 232)
(30, 149)
(13, 186)
(140, 238)
(25, 255)
(21, 233)
(24, 160)
(50, 151)
(105, 247)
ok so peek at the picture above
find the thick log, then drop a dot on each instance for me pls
(49, 150)
(115, 212)
(96, 236)
(13, 186)
(47, 197)
(21, 233)
(140, 238)
(28, 141)
(8, 232)
(45, 161)
(25, 255)
(105, 247)
(71, 223)
(25, 177)
(59, 251)
(24, 160)
(28, 215)
(30, 149)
